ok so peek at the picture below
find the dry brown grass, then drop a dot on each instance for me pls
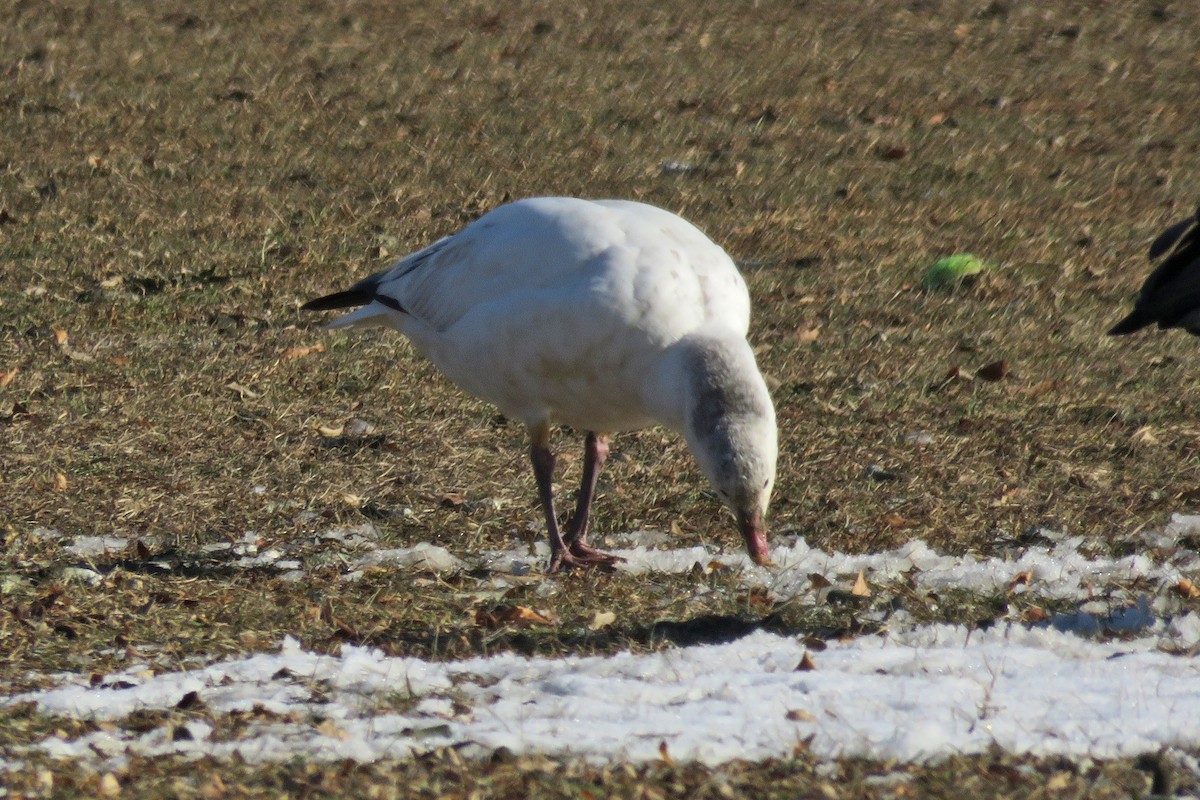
(177, 178)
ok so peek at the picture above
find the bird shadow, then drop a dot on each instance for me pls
(703, 629)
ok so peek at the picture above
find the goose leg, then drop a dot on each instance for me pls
(595, 451)
(562, 555)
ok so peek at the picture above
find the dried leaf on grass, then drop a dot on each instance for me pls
(6, 376)
(1187, 588)
(301, 351)
(109, 785)
(330, 729)
(516, 616)
(213, 788)
(243, 391)
(897, 521)
(1144, 436)
(601, 620)
(758, 597)
(807, 333)
(1035, 615)
(345, 628)
(994, 371)
(1020, 579)
(860, 587)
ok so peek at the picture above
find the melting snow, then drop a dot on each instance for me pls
(911, 693)
(911, 696)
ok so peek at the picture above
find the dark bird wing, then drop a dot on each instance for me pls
(375, 288)
(358, 295)
(1171, 294)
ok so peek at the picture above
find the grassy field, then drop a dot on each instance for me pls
(178, 177)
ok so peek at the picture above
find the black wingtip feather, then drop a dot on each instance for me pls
(1167, 239)
(1134, 322)
(347, 299)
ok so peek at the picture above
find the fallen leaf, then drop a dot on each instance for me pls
(330, 432)
(757, 597)
(302, 351)
(109, 785)
(806, 663)
(1035, 614)
(936, 119)
(7, 377)
(1187, 588)
(800, 715)
(328, 728)
(518, 616)
(97, 161)
(892, 153)
(190, 700)
(451, 500)
(60, 339)
(1020, 579)
(60, 482)
(1039, 389)
(819, 581)
(663, 754)
(45, 780)
(345, 628)
(897, 522)
(807, 334)
(213, 788)
(602, 619)
(994, 371)
(860, 587)
(1058, 782)
(1144, 436)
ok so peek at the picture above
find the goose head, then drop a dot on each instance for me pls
(728, 421)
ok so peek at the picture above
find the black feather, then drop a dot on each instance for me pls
(1167, 238)
(347, 299)
(1134, 322)
(1170, 296)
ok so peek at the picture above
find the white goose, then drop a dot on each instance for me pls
(604, 315)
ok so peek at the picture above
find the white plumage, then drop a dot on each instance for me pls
(603, 315)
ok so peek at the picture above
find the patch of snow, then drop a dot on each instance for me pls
(1059, 571)
(47, 534)
(365, 533)
(91, 546)
(81, 575)
(424, 556)
(910, 695)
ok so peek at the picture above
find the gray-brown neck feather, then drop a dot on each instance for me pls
(722, 406)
